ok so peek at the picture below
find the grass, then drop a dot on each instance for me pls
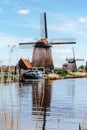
(6, 78)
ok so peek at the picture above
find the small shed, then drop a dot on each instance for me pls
(23, 64)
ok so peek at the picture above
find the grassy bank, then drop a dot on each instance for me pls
(4, 77)
(55, 76)
(59, 73)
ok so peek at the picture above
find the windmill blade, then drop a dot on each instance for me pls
(63, 41)
(79, 59)
(45, 26)
(44, 34)
(71, 60)
(26, 45)
(73, 52)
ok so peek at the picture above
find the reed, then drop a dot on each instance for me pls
(8, 120)
(80, 127)
(83, 126)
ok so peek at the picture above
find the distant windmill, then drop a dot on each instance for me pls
(72, 62)
(42, 55)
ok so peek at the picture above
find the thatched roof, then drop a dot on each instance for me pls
(27, 63)
(24, 64)
(42, 43)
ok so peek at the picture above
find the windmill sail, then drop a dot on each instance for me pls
(26, 45)
(79, 59)
(45, 26)
(44, 34)
(63, 41)
(73, 52)
(43, 31)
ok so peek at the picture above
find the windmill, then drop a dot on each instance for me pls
(42, 54)
(72, 62)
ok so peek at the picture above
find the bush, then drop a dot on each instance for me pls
(60, 71)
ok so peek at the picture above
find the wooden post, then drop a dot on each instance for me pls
(86, 67)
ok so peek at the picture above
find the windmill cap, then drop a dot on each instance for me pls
(43, 42)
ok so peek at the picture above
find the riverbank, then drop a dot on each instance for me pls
(48, 77)
(65, 76)
(5, 78)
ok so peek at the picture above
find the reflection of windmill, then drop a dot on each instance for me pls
(72, 62)
(42, 55)
(41, 100)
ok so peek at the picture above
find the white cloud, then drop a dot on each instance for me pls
(82, 20)
(6, 40)
(23, 11)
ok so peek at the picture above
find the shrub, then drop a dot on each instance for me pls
(60, 71)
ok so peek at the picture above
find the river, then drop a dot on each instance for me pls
(39, 105)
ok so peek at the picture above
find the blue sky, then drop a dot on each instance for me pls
(20, 22)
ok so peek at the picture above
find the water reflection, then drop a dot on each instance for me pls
(41, 96)
(40, 105)
(51, 102)
(63, 98)
(41, 99)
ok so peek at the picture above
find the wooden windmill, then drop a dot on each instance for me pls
(42, 54)
(72, 62)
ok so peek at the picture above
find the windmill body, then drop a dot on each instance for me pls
(42, 55)
(72, 62)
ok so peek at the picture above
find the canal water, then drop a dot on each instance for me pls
(40, 105)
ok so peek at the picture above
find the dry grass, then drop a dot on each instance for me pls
(53, 76)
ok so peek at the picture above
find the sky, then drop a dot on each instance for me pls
(20, 22)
